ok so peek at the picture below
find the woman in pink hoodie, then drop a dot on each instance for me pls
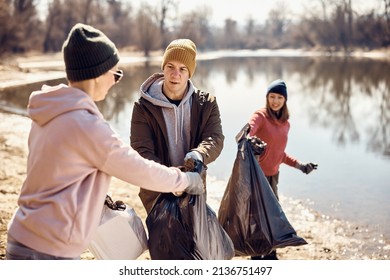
(271, 125)
(73, 152)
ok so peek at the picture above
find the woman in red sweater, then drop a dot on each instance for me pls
(271, 125)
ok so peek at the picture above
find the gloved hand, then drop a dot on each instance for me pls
(192, 168)
(198, 166)
(258, 146)
(114, 205)
(306, 167)
(194, 155)
(195, 184)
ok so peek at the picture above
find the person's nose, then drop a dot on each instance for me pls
(176, 72)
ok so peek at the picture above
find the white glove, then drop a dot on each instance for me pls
(194, 155)
(195, 183)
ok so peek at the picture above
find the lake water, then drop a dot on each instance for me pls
(340, 119)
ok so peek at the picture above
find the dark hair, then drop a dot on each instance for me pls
(282, 116)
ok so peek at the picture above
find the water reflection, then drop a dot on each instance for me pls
(334, 84)
(338, 83)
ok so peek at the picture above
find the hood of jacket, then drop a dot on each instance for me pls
(52, 101)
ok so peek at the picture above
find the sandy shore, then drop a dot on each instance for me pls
(328, 238)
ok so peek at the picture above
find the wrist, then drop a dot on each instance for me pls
(298, 165)
(195, 155)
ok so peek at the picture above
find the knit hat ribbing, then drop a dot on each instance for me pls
(181, 50)
(88, 53)
(278, 86)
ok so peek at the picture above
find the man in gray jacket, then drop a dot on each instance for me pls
(173, 120)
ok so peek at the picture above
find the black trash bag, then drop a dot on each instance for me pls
(186, 228)
(250, 212)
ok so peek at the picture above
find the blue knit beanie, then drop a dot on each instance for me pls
(278, 86)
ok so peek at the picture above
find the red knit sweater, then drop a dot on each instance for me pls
(275, 134)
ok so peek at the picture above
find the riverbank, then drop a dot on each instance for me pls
(328, 238)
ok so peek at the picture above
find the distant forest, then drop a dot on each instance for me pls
(329, 25)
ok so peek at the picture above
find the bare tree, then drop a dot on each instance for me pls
(6, 23)
(343, 25)
(250, 38)
(54, 11)
(195, 25)
(166, 6)
(328, 24)
(25, 26)
(87, 10)
(387, 18)
(148, 31)
(230, 39)
(118, 23)
(276, 25)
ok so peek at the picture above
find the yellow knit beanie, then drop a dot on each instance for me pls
(181, 50)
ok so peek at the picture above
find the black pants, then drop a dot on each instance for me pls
(273, 181)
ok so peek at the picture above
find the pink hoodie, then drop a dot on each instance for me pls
(73, 152)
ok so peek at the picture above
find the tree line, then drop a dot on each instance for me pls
(329, 25)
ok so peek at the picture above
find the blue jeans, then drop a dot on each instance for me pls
(17, 251)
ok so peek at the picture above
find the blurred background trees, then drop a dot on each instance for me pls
(330, 25)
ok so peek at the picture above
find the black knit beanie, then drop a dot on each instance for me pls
(88, 53)
(278, 86)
